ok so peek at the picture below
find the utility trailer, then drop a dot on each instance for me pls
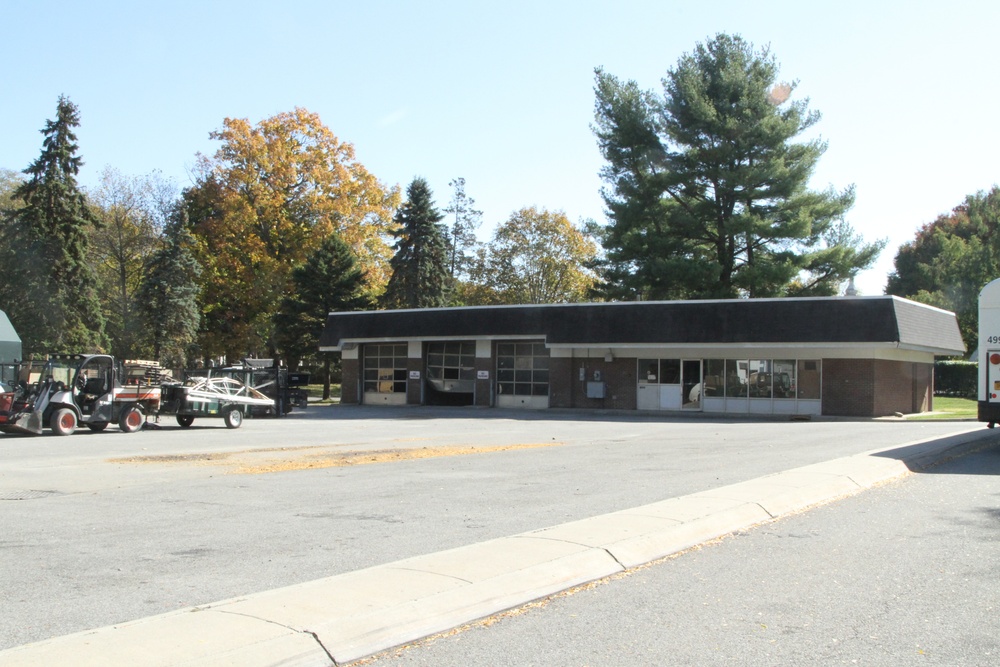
(282, 387)
(211, 397)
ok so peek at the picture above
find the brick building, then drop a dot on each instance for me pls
(849, 356)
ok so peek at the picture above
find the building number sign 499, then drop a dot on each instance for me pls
(993, 339)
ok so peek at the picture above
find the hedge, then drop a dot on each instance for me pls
(956, 378)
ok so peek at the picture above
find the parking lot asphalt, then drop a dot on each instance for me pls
(548, 501)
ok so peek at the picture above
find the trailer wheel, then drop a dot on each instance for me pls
(233, 417)
(97, 427)
(63, 421)
(130, 420)
(185, 420)
(991, 425)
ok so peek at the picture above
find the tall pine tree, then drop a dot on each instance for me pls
(59, 310)
(330, 279)
(168, 294)
(420, 276)
(708, 190)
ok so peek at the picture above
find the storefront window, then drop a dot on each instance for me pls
(670, 371)
(715, 377)
(783, 379)
(736, 378)
(760, 378)
(649, 371)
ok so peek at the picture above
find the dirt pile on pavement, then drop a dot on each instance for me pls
(284, 459)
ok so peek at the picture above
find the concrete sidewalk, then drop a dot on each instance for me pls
(346, 617)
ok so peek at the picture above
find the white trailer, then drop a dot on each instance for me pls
(989, 354)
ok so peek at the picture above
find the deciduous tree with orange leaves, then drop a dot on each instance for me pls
(267, 199)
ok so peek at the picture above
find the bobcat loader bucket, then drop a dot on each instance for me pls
(25, 415)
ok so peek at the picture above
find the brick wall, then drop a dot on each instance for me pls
(849, 387)
(483, 387)
(566, 390)
(414, 388)
(876, 387)
(350, 383)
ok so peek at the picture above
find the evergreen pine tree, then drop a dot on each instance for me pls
(60, 309)
(330, 279)
(168, 295)
(420, 277)
(708, 188)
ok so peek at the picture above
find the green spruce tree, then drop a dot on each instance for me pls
(330, 280)
(59, 309)
(420, 276)
(168, 294)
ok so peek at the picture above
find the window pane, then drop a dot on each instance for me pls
(715, 374)
(649, 371)
(670, 371)
(505, 349)
(760, 378)
(736, 378)
(505, 362)
(540, 376)
(541, 362)
(522, 376)
(522, 389)
(783, 380)
(539, 390)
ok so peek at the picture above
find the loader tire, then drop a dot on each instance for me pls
(63, 421)
(185, 420)
(131, 420)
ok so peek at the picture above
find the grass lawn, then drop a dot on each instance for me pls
(316, 392)
(946, 407)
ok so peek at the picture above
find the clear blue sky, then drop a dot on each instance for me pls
(502, 93)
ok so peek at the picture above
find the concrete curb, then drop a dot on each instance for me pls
(346, 617)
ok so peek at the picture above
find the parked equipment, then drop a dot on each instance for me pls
(283, 388)
(72, 389)
(212, 397)
(96, 390)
